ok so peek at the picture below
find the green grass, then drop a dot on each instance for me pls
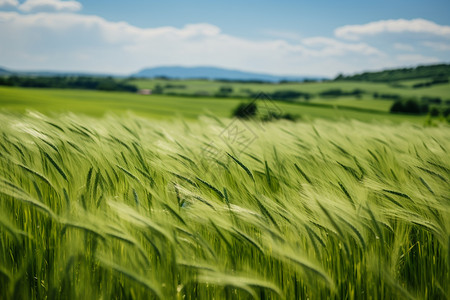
(192, 86)
(96, 103)
(123, 207)
(362, 103)
(366, 101)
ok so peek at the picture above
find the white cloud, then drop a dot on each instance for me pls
(9, 3)
(50, 5)
(77, 42)
(415, 59)
(65, 41)
(285, 35)
(403, 47)
(332, 47)
(355, 32)
(437, 46)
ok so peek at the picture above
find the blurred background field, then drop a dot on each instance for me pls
(339, 98)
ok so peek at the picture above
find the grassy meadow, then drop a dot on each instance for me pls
(126, 207)
(366, 101)
(99, 103)
(402, 87)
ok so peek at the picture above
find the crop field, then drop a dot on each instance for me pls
(97, 103)
(127, 207)
(402, 88)
(201, 150)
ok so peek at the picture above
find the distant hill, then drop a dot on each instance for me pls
(430, 71)
(215, 73)
(4, 72)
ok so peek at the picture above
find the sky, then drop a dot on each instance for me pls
(315, 38)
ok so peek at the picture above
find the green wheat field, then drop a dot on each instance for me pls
(126, 207)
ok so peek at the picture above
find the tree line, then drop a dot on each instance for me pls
(439, 72)
(69, 82)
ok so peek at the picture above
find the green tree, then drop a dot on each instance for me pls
(158, 89)
(245, 110)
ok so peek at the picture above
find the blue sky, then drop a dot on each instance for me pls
(280, 37)
(251, 18)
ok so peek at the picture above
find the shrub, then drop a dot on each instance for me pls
(226, 89)
(158, 89)
(339, 93)
(434, 100)
(272, 116)
(397, 107)
(389, 96)
(331, 93)
(440, 79)
(422, 84)
(409, 106)
(288, 95)
(224, 92)
(435, 111)
(174, 86)
(446, 112)
(245, 110)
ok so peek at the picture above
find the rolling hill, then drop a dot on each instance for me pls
(430, 71)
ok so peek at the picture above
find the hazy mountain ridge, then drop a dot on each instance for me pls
(4, 72)
(177, 72)
(174, 72)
